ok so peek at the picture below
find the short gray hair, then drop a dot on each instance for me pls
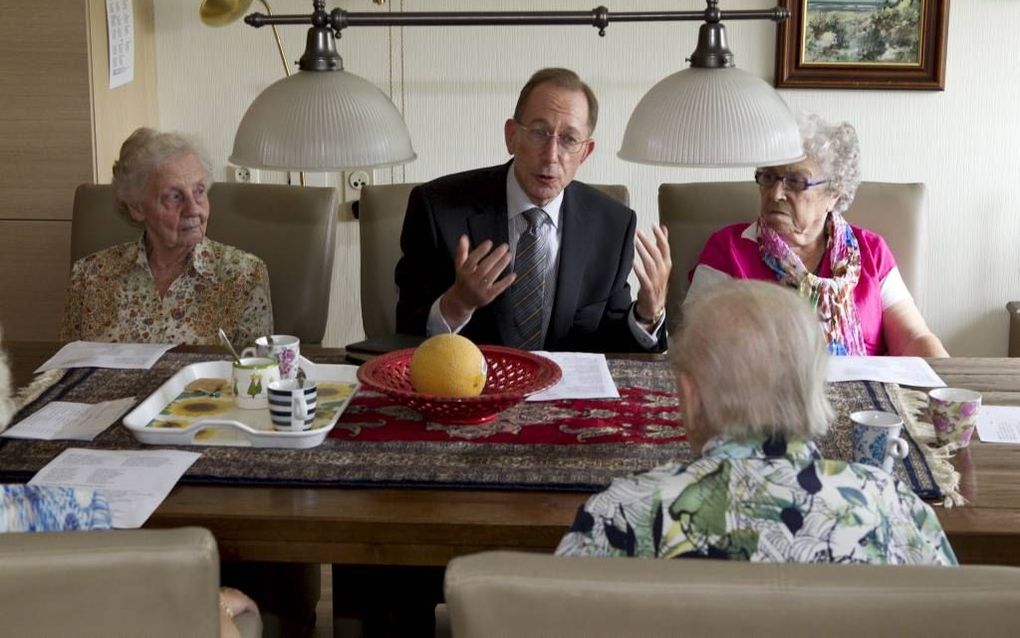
(561, 79)
(838, 153)
(755, 355)
(141, 155)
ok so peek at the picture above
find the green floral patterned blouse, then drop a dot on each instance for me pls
(761, 500)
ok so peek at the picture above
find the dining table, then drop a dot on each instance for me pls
(430, 526)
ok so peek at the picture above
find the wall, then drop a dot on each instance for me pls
(456, 86)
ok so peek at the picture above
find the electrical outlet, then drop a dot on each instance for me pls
(243, 174)
(359, 178)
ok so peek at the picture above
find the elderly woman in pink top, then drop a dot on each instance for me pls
(801, 240)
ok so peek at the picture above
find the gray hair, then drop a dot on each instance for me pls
(141, 155)
(755, 355)
(561, 79)
(838, 153)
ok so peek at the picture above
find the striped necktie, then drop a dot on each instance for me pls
(529, 287)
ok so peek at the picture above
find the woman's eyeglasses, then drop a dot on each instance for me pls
(793, 183)
(538, 138)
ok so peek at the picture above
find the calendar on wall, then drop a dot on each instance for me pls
(120, 28)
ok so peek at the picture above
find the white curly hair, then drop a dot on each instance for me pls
(838, 153)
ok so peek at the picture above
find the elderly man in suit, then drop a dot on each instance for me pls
(522, 255)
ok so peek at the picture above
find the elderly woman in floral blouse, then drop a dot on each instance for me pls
(172, 285)
(750, 366)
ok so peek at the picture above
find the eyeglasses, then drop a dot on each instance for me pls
(538, 138)
(793, 183)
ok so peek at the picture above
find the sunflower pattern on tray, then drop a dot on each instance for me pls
(202, 398)
(331, 397)
(213, 398)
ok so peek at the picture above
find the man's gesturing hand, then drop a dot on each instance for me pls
(475, 283)
(652, 269)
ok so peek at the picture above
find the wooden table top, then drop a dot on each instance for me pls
(431, 526)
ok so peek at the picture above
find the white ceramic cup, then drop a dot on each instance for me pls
(286, 349)
(876, 438)
(292, 404)
(252, 377)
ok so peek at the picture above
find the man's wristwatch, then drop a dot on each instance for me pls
(654, 321)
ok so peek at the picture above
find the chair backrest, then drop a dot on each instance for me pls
(381, 212)
(517, 594)
(291, 228)
(1013, 308)
(117, 583)
(692, 212)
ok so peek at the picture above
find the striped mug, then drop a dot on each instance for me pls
(292, 404)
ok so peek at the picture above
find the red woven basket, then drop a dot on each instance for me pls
(513, 374)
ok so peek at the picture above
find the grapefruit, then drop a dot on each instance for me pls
(448, 365)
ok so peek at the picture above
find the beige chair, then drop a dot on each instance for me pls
(692, 212)
(292, 229)
(517, 594)
(381, 212)
(1013, 308)
(149, 583)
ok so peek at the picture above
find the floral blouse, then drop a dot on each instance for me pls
(113, 297)
(40, 508)
(764, 500)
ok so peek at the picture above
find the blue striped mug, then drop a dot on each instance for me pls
(292, 404)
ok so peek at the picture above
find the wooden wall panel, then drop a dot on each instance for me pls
(45, 118)
(35, 262)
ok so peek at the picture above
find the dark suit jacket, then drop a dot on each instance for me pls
(589, 313)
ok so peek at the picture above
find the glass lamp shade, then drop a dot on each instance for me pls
(322, 121)
(712, 117)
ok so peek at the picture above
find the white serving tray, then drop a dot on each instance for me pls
(234, 426)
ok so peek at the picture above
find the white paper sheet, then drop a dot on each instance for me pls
(902, 370)
(64, 420)
(120, 29)
(134, 482)
(999, 424)
(89, 354)
(585, 376)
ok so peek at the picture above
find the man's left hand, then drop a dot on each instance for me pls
(652, 269)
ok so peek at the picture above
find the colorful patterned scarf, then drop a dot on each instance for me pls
(833, 298)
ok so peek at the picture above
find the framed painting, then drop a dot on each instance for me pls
(863, 44)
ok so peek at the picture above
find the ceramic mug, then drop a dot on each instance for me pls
(286, 349)
(954, 413)
(292, 404)
(252, 377)
(876, 438)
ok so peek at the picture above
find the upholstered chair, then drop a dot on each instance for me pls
(518, 594)
(1013, 308)
(694, 211)
(153, 583)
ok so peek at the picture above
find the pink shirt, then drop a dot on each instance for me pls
(733, 253)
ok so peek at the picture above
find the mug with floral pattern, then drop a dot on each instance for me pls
(954, 413)
(286, 349)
